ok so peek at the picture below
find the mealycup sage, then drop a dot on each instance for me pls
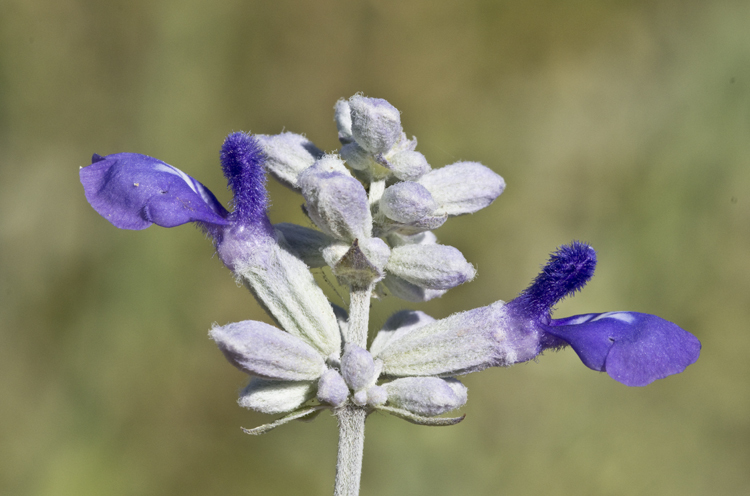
(374, 205)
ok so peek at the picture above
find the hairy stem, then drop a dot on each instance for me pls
(351, 445)
(351, 417)
(359, 315)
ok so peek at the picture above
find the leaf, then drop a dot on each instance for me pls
(297, 414)
(420, 420)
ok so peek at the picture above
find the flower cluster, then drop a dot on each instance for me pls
(382, 233)
(375, 204)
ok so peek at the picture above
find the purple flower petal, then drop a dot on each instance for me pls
(133, 191)
(633, 348)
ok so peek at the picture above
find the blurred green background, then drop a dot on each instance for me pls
(622, 123)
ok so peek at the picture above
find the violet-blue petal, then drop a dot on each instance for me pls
(133, 191)
(633, 348)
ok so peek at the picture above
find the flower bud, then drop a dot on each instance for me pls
(357, 157)
(357, 367)
(275, 397)
(332, 389)
(376, 124)
(265, 351)
(407, 202)
(462, 343)
(430, 266)
(463, 188)
(288, 154)
(283, 284)
(336, 202)
(427, 396)
(376, 396)
(408, 165)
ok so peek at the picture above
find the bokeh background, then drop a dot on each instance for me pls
(623, 123)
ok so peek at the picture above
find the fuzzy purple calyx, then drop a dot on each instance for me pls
(633, 348)
(133, 191)
(242, 160)
(568, 270)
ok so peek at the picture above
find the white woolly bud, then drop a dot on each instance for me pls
(430, 266)
(288, 154)
(356, 157)
(265, 351)
(332, 389)
(428, 396)
(407, 202)
(408, 165)
(463, 187)
(376, 124)
(376, 396)
(357, 367)
(336, 202)
(275, 397)
(286, 288)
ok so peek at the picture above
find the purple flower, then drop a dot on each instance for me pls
(133, 191)
(633, 348)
